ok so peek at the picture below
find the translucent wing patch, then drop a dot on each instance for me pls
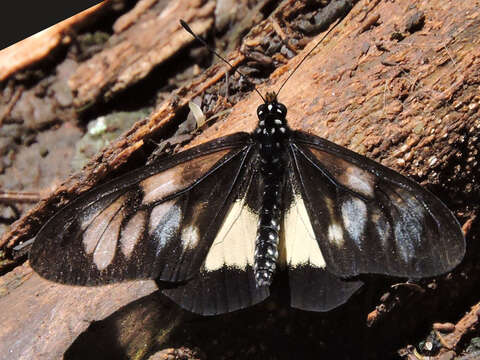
(370, 219)
(159, 186)
(156, 222)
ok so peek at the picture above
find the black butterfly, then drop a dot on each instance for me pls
(218, 219)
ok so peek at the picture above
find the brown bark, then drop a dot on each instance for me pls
(382, 84)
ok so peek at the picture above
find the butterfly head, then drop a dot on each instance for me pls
(271, 108)
(272, 122)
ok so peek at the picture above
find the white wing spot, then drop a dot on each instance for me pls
(354, 215)
(301, 246)
(158, 186)
(168, 226)
(335, 234)
(359, 181)
(235, 241)
(190, 237)
(132, 233)
(105, 251)
(157, 214)
(96, 228)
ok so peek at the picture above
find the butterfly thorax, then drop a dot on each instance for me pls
(271, 133)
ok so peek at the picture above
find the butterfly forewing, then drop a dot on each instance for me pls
(369, 219)
(226, 280)
(156, 222)
(312, 287)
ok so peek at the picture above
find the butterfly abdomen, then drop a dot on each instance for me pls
(270, 133)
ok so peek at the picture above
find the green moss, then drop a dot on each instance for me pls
(101, 132)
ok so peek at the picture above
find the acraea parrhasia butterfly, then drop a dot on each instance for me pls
(222, 218)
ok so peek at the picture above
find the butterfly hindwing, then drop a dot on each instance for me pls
(370, 219)
(226, 280)
(155, 222)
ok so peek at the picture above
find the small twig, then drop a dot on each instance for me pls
(11, 104)
(278, 29)
(442, 340)
(451, 57)
(468, 224)
(15, 197)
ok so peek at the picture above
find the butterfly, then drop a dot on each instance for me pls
(219, 220)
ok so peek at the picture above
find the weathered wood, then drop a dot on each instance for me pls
(138, 48)
(40, 319)
(37, 47)
(411, 104)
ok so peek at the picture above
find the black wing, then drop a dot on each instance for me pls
(226, 280)
(370, 219)
(155, 222)
(312, 286)
(186, 219)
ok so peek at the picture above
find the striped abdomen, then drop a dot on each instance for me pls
(270, 134)
(266, 243)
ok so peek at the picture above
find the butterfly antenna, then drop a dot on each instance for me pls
(308, 54)
(213, 51)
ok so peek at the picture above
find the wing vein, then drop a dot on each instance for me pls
(247, 149)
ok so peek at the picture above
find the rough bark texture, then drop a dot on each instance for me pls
(396, 81)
